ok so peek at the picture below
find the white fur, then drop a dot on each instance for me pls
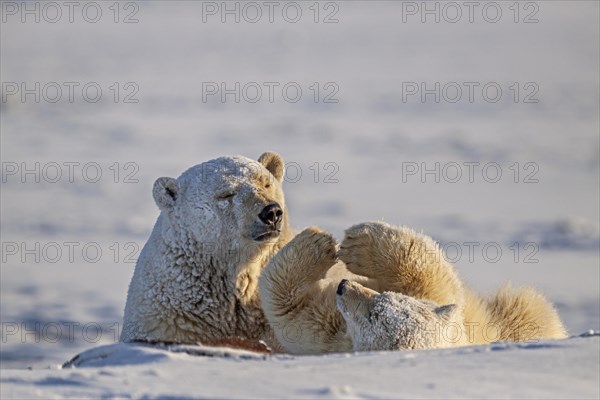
(196, 277)
(423, 303)
(393, 321)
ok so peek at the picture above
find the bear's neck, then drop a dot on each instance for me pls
(214, 279)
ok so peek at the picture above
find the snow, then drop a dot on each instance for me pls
(502, 370)
(364, 148)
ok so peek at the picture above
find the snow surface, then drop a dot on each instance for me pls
(502, 370)
(51, 311)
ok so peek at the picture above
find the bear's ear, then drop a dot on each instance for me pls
(165, 192)
(446, 312)
(274, 164)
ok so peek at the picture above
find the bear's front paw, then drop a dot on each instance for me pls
(356, 250)
(315, 247)
(365, 249)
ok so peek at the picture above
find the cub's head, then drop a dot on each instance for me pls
(393, 321)
(226, 202)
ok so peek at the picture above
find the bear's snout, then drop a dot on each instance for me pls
(271, 215)
(342, 287)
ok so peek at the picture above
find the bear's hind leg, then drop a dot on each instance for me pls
(401, 260)
(523, 314)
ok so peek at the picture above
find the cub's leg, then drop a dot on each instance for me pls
(401, 260)
(298, 303)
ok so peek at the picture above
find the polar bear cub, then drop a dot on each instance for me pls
(394, 321)
(396, 292)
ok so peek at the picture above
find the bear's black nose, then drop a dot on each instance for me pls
(271, 214)
(341, 286)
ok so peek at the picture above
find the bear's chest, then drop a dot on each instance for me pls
(204, 303)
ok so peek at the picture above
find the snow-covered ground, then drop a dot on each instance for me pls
(498, 371)
(69, 242)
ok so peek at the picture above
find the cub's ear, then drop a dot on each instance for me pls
(274, 164)
(165, 192)
(446, 312)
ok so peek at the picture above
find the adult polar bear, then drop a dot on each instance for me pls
(196, 279)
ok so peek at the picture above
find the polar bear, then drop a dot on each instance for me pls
(196, 279)
(394, 321)
(397, 292)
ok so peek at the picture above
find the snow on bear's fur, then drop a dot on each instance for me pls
(197, 276)
(396, 292)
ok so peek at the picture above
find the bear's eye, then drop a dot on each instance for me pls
(372, 316)
(267, 186)
(225, 196)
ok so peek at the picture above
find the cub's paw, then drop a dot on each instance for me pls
(314, 247)
(367, 248)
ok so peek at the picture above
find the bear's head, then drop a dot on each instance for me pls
(393, 321)
(225, 202)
